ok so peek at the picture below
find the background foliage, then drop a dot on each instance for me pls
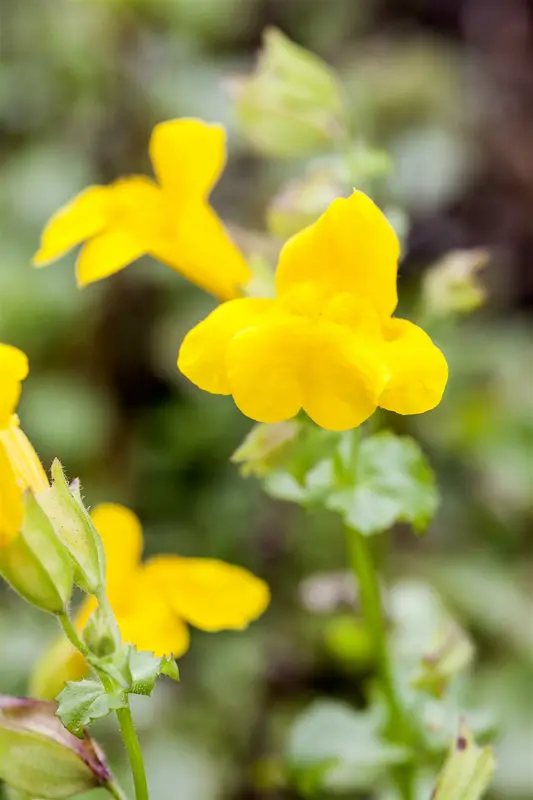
(440, 85)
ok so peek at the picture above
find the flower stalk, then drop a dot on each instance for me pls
(367, 581)
(125, 720)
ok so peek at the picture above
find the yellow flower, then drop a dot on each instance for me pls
(154, 600)
(327, 343)
(170, 220)
(20, 467)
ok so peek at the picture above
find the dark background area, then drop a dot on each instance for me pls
(447, 87)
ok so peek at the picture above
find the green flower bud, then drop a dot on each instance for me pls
(40, 758)
(452, 285)
(292, 104)
(65, 510)
(36, 563)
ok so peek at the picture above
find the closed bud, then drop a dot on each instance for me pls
(452, 285)
(36, 563)
(292, 104)
(101, 634)
(40, 758)
(71, 521)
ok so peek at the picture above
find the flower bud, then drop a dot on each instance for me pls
(64, 508)
(452, 285)
(40, 758)
(292, 104)
(36, 563)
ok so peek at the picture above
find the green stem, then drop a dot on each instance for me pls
(363, 568)
(129, 735)
(125, 719)
(115, 791)
(72, 635)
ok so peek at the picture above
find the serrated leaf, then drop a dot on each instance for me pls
(146, 668)
(83, 702)
(372, 483)
(468, 770)
(339, 748)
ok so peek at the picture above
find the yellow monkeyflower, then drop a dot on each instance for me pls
(327, 343)
(153, 601)
(20, 467)
(170, 220)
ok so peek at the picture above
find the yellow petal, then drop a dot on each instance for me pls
(106, 254)
(11, 510)
(419, 371)
(151, 624)
(264, 366)
(351, 248)
(13, 370)
(80, 219)
(208, 593)
(144, 617)
(121, 534)
(59, 664)
(25, 462)
(344, 376)
(202, 355)
(188, 156)
(202, 251)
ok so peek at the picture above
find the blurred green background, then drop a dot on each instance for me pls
(446, 86)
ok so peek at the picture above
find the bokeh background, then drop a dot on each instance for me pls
(447, 87)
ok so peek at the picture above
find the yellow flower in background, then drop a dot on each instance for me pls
(170, 220)
(327, 343)
(20, 467)
(13, 370)
(153, 601)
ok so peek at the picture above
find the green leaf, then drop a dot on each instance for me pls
(146, 668)
(335, 748)
(83, 702)
(467, 771)
(372, 484)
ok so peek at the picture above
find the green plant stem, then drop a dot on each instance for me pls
(125, 720)
(366, 577)
(129, 735)
(72, 635)
(115, 791)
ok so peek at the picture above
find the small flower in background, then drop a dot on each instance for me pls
(328, 342)
(170, 220)
(154, 600)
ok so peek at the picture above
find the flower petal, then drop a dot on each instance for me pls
(202, 355)
(106, 254)
(200, 248)
(143, 615)
(13, 369)
(121, 534)
(344, 377)
(150, 623)
(264, 366)
(80, 219)
(11, 510)
(351, 248)
(208, 593)
(25, 462)
(59, 664)
(188, 156)
(419, 371)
